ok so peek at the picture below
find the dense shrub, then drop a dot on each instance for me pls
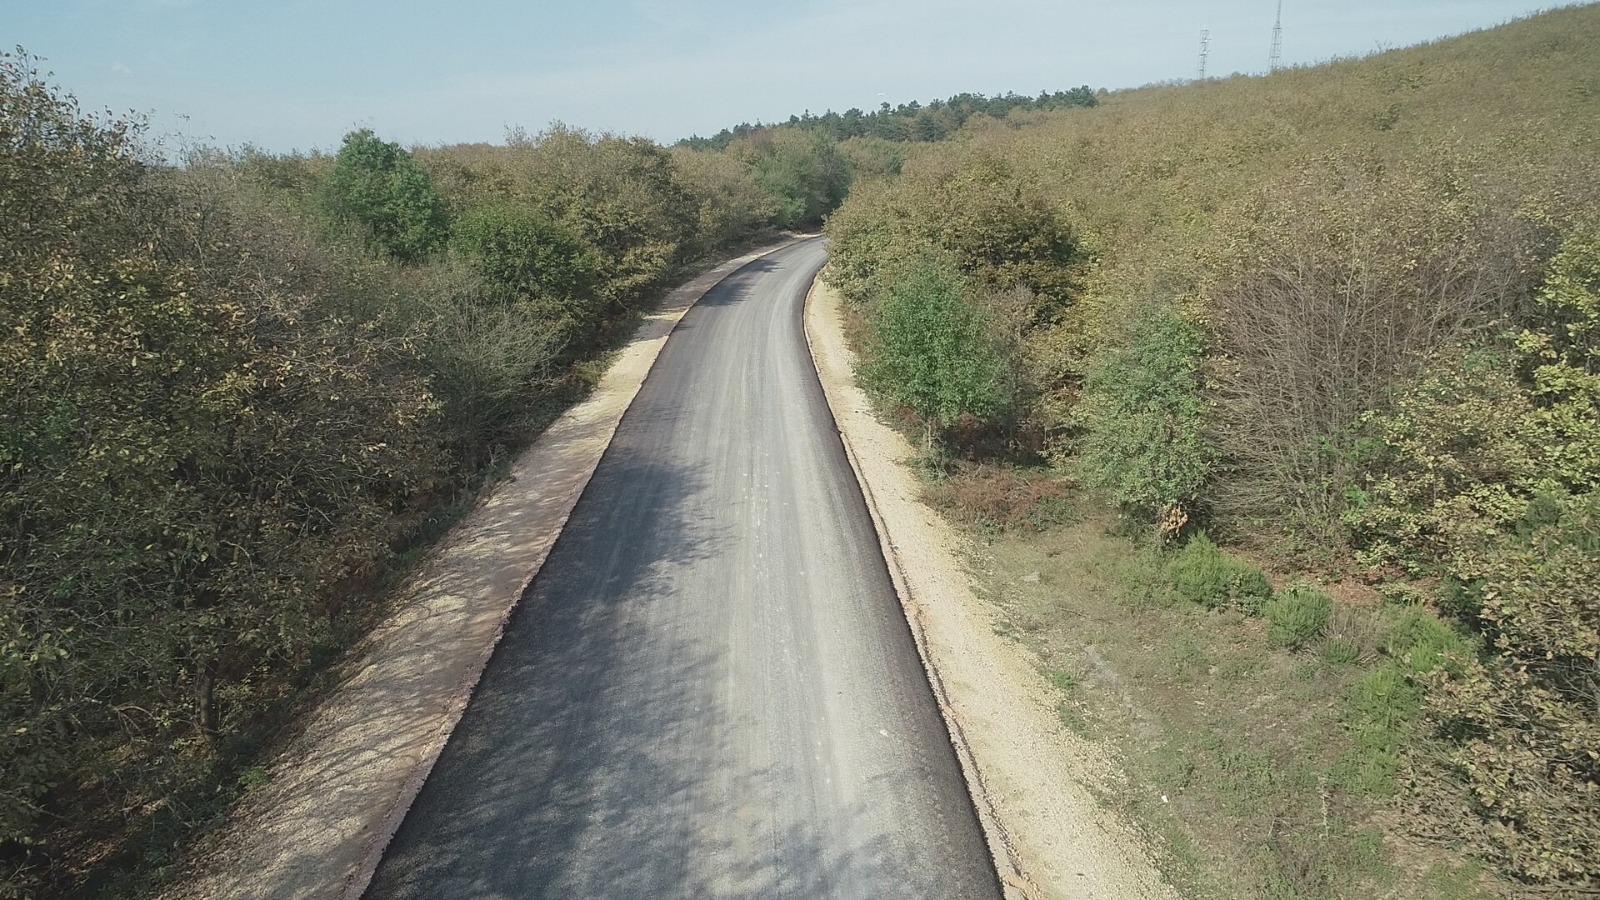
(1142, 417)
(1486, 480)
(1201, 573)
(1525, 717)
(1343, 283)
(195, 460)
(1390, 358)
(379, 186)
(1297, 616)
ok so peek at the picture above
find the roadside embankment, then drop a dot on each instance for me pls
(1030, 777)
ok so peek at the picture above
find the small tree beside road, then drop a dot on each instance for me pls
(932, 352)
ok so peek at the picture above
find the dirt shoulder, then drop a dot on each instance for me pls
(1032, 779)
(340, 790)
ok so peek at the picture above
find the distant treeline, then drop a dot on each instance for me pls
(907, 122)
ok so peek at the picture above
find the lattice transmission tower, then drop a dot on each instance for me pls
(1205, 50)
(1275, 58)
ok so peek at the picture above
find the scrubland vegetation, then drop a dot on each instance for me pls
(1280, 391)
(1324, 344)
(240, 392)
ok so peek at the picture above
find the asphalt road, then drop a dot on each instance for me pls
(710, 690)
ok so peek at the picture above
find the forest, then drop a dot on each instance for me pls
(906, 122)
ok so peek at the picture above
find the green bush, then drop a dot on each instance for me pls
(1141, 415)
(519, 250)
(535, 264)
(379, 186)
(1297, 616)
(491, 364)
(929, 350)
(1201, 573)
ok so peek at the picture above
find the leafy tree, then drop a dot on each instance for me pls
(871, 158)
(976, 211)
(620, 196)
(732, 203)
(192, 459)
(379, 186)
(930, 351)
(804, 173)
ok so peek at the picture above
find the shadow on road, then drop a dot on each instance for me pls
(565, 777)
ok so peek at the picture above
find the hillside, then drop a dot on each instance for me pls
(1342, 321)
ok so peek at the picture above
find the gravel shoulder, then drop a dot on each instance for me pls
(1030, 776)
(339, 791)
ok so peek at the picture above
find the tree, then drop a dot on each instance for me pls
(804, 173)
(619, 195)
(930, 350)
(379, 186)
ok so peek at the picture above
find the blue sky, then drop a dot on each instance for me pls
(298, 74)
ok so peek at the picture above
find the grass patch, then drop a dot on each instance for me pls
(1257, 771)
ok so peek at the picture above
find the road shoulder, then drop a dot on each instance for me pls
(340, 790)
(1029, 775)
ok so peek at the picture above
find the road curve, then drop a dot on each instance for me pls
(709, 690)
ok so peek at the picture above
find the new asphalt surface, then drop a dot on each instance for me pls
(710, 689)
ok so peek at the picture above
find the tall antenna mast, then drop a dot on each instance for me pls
(1275, 58)
(1205, 50)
